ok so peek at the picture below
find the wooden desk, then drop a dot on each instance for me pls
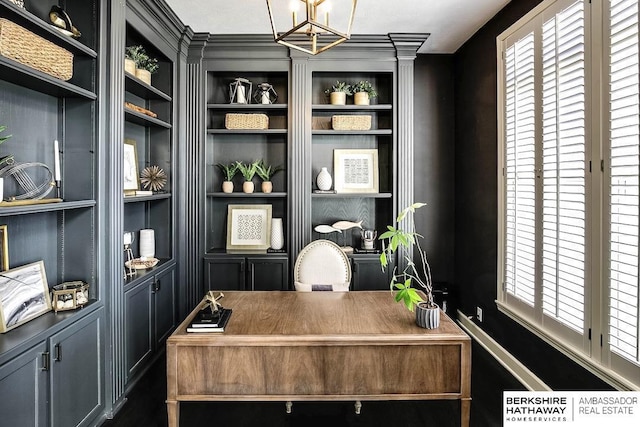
(290, 346)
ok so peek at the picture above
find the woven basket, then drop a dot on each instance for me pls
(23, 46)
(246, 121)
(351, 122)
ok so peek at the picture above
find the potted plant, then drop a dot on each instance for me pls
(145, 67)
(363, 92)
(427, 311)
(248, 171)
(131, 58)
(228, 172)
(338, 93)
(266, 172)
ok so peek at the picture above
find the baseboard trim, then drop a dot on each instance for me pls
(502, 356)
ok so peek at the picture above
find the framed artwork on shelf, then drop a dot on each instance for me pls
(24, 295)
(355, 171)
(4, 248)
(130, 166)
(248, 227)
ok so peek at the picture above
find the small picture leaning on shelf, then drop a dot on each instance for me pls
(24, 295)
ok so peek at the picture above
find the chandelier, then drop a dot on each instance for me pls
(313, 34)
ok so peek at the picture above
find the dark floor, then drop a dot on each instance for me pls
(145, 406)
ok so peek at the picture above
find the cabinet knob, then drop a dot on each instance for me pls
(45, 361)
(57, 353)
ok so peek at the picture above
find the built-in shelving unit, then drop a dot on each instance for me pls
(37, 109)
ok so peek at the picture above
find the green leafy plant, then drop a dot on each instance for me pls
(365, 86)
(339, 86)
(229, 171)
(266, 172)
(248, 170)
(139, 55)
(420, 275)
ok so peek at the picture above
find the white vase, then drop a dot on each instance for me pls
(277, 234)
(147, 243)
(323, 180)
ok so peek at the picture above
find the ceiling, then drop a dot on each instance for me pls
(450, 22)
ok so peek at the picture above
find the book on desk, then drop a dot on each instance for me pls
(207, 321)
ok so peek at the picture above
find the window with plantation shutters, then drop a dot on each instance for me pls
(569, 182)
(624, 169)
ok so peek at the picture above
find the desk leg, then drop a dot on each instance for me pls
(465, 412)
(173, 413)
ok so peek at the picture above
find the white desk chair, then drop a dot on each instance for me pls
(322, 266)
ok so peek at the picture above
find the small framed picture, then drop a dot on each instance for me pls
(355, 171)
(130, 166)
(24, 295)
(4, 248)
(248, 227)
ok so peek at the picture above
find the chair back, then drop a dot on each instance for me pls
(322, 266)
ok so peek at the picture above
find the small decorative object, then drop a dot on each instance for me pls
(4, 248)
(131, 57)
(62, 22)
(277, 234)
(24, 295)
(338, 93)
(419, 274)
(323, 180)
(69, 295)
(265, 94)
(212, 301)
(368, 239)
(21, 45)
(31, 190)
(325, 229)
(139, 109)
(248, 227)
(343, 226)
(130, 166)
(248, 171)
(363, 92)
(228, 171)
(153, 178)
(128, 238)
(56, 167)
(240, 91)
(141, 263)
(266, 172)
(19, 3)
(355, 170)
(4, 159)
(147, 243)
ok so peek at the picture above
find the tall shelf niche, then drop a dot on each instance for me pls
(245, 145)
(154, 147)
(375, 210)
(37, 109)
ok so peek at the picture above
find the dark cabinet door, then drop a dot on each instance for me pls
(367, 275)
(76, 372)
(23, 387)
(224, 273)
(268, 273)
(138, 320)
(164, 293)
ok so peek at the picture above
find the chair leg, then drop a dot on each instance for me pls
(288, 405)
(358, 407)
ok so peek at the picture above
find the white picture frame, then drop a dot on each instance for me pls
(131, 175)
(355, 171)
(24, 295)
(248, 227)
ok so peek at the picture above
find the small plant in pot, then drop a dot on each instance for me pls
(338, 93)
(266, 172)
(228, 172)
(427, 311)
(146, 67)
(363, 92)
(132, 55)
(248, 171)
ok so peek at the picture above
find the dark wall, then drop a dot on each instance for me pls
(476, 215)
(433, 161)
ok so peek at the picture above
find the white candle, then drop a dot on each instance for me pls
(240, 96)
(56, 160)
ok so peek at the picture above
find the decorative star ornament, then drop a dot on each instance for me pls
(153, 178)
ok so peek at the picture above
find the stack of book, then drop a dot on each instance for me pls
(207, 321)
